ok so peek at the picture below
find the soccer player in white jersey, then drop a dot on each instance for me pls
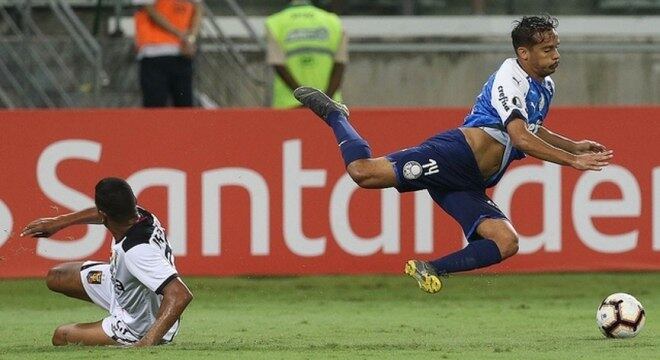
(457, 166)
(140, 286)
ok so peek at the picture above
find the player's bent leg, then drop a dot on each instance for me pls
(82, 334)
(490, 235)
(502, 233)
(65, 279)
(375, 173)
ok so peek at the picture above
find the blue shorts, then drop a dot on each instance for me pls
(445, 166)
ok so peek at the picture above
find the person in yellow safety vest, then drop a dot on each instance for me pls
(166, 41)
(306, 47)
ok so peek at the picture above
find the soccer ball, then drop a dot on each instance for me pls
(620, 316)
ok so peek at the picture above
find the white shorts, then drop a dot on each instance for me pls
(97, 282)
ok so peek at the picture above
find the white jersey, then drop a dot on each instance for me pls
(130, 287)
(141, 265)
(510, 93)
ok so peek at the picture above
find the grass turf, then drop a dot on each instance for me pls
(473, 317)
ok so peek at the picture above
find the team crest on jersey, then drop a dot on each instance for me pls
(412, 170)
(94, 277)
(517, 102)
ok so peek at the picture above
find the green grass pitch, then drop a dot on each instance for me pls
(342, 317)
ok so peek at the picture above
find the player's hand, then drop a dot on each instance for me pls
(593, 161)
(588, 146)
(44, 227)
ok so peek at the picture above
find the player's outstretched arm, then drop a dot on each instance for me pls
(534, 146)
(571, 146)
(46, 227)
(176, 298)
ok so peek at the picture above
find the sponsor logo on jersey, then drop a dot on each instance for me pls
(412, 170)
(503, 99)
(94, 277)
(119, 286)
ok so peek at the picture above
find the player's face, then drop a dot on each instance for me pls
(543, 58)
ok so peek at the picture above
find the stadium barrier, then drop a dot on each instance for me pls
(264, 192)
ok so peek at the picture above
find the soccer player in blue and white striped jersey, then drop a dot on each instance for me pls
(457, 166)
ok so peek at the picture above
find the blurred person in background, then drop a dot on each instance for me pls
(457, 166)
(139, 287)
(306, 47)
(166, 39)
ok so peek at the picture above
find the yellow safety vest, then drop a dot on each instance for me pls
(309, 37)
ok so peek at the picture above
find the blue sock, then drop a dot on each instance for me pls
(477, 254)
(351, 144)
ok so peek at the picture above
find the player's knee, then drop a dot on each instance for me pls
(54, 278)
(361, 180)
(60, 335)
(361, 174)
(508, 244)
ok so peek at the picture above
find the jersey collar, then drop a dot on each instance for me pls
(525, 72)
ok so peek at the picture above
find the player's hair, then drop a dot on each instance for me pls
(115, 198)
(525, 30)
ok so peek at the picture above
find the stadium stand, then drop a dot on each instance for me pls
(96, 38)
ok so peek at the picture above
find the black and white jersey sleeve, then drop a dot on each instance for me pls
(148, 262)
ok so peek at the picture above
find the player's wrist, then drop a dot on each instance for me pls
(61, 221)
(578, 147)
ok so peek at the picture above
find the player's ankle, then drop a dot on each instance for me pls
(334, 116)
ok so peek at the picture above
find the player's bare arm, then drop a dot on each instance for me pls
(564, 143)
(176, 297)
(45, 227)
(534, 146)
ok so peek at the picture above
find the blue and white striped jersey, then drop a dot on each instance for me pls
(510, 93)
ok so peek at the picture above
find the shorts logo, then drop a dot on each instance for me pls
(94, 277)
(412, 170)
